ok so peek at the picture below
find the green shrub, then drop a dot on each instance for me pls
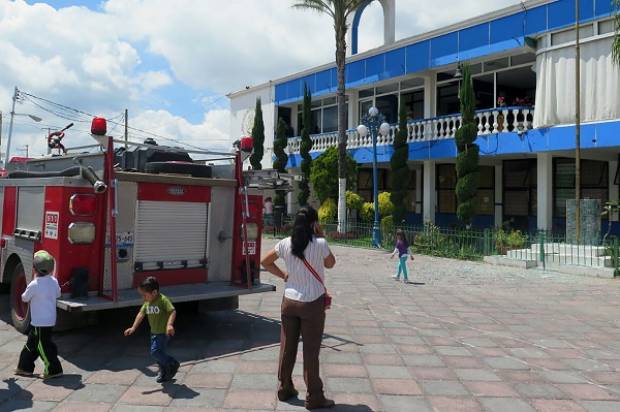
(354, 201)
(368, 212)
(387, 229)
(328, 211)
(386, 207)
(516, 240)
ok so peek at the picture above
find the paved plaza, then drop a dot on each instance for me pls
(465, 337)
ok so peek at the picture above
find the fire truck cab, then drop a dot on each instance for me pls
(122, 212)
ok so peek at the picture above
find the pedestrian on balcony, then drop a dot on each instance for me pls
(402, 249)
(306, 255)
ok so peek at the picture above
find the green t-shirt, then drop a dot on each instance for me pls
(158, 313)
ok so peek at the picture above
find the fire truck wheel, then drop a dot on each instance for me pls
(20, 315)
(185, 168)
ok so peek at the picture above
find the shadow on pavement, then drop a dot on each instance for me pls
(175, 391)
(68, 381)
(22, 398)
(340, 407)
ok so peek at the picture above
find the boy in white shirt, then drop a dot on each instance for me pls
(41, 294)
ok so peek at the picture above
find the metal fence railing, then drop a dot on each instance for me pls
(543, 248)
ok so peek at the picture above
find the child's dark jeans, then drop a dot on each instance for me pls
(158, 350)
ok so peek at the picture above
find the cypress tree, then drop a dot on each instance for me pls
(258, 137)
(304, 150)
(400, 169)
(468, 157)
(279, 164)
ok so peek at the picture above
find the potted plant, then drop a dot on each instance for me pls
(501, 102)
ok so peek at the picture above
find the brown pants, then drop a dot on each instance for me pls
(307, 318)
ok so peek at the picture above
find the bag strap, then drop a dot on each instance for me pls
(314, 273)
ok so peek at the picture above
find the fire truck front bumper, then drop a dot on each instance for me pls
(178, 293)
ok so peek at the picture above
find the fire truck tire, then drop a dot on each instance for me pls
(20, 313)
(185, 168)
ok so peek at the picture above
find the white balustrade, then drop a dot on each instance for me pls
(500, 120)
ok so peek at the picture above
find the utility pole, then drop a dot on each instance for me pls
(126, 136)
(577, 125)
(49, 149)
(8, 141)
(0, 131)
(27, 153)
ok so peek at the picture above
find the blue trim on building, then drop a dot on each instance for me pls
(498, 35)
(356, 24)
(593, 136)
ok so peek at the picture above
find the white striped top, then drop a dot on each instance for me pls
(301, 285)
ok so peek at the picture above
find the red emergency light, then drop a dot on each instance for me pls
(246, 144)
(82, 204)
(99, 126)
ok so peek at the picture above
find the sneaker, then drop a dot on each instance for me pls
(21, 372)
(174, 368)
(162, 376)
(396, 277)
(52, 375)
(406, 281)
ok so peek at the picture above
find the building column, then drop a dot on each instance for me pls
(353, 109)
(430, 195)
(291, 197)
(544, 190)
(430, 86)
(418, 188)
(294, 124)
(614, 192)
(499, 192)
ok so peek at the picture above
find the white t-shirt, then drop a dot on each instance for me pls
(42, 293)
(268, 207)
(301, 285)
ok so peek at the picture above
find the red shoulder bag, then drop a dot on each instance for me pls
(328, 297)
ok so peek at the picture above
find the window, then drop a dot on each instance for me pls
(364, 108)
(484, 91)
(448, 99)
(568, 36)
(519, 188)
(446, 184)
(330, 119)
(414, 104)
(366, 93)
(365, 183)
(388, 106)
(390, 88)
(594, 182)
(606, 26)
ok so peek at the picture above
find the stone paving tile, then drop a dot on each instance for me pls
(545, 405)
(340, 370)
(254, 381)
(43, 391)
(27, 404)
(250, 399)
(452, 404)
(586, 391)
(357, 402)
(349, 385)
(396, 387)
(505, 405)
(208, 380)
(476, 375)
(387, 372)
(601, 406)
(540, 390)
(126, 377)
(490, 389)
(107, 393)
(147, 395)
(203, 397)
(404, 403)
(444, 388)
(82, 407)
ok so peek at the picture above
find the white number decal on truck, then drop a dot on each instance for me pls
(51, 225)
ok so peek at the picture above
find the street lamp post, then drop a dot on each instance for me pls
(375, 123)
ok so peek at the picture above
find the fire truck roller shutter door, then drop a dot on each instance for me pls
(170, 235)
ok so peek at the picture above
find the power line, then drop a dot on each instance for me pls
(78, 111)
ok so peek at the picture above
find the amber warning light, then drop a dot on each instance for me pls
(99, 126)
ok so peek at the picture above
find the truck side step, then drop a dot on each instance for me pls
(178, 293)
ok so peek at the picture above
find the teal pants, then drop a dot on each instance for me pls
(402, 267)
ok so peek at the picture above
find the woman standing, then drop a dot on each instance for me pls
(303, 305)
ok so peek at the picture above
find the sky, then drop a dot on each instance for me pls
(170, 63)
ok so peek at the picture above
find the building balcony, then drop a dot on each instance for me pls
(516, 119)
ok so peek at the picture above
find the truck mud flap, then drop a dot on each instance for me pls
(178, 293)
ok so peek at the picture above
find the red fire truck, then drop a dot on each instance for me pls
(125, 211)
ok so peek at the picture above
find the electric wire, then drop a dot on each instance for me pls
(81, 112)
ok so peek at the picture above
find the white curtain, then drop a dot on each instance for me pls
(555, 85)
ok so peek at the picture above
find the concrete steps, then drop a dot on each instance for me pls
(568, 249)
(560, 256)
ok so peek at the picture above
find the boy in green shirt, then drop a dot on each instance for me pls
(161, 314)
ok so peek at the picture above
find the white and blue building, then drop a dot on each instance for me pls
(523, 63)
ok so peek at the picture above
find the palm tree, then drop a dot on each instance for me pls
(339, 10)
(615, 48)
